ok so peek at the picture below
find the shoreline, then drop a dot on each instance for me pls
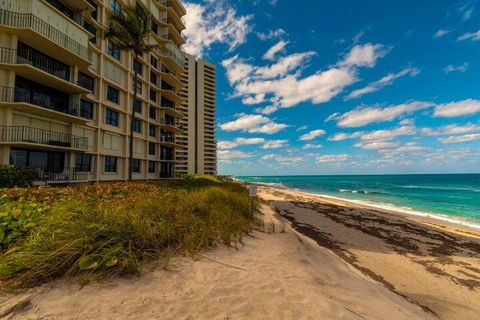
(435, 219)
(429, 263)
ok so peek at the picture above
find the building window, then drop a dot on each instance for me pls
(137, 86)
(152, 167)
(113, 94)
(138, 106)
(85, 81)
(153, 113)
(152, 148)
(111, 117)
(152, 130)
(154, 27)
(115, 6)
(136, 165)
(153, 95)
(153, 77)
(86, 109)
(114, 50)
(110, 164)
(83, 162)
(138, 67)
(154, 62)
(137, 125)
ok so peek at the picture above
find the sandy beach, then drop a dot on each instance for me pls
(433, 264)
(310, 258)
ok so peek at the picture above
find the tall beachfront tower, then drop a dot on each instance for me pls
(66, 93)
(198, 154)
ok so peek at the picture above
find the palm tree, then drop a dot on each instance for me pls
(131, 29)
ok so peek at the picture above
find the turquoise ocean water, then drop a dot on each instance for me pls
(455, 196)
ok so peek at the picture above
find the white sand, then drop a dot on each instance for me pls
(280, 275)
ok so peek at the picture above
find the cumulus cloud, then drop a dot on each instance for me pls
(460, 139)
(383, 82)
(253, 123)
(312, 146)
(283, 159)
(312, 135)
(332, 158)
(451, 129)
(363, 116)
(365, 55)
(239, 142)
(282, 85)
(274, 144)
(232, 154)
(274, 50)
(212, 22)
(457, 109)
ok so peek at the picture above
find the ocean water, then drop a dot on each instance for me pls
(455, 196)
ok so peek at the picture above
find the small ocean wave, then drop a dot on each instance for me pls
(361, 191)
(440, 188)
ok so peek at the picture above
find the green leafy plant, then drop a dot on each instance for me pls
(13, 176)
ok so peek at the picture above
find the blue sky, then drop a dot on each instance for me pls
(343, 87)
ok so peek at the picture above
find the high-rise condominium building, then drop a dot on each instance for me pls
(198, 151)
(66, 93)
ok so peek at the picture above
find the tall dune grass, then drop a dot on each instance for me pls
(115, 229)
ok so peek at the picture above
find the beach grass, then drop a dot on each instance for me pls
(113, 229)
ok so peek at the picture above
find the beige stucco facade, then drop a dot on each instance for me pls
(198, 154)
(66, 94)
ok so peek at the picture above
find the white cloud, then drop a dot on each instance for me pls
(474, 36)
(460, 139)
(441, 32)
(212, 23)
(274, 50)
(467, 12)
(383, 82)
(271, 34)
(456, 109)
(312, 135)
(451, 129)
(366, 115)
(301, 128)
(282, 85)
(400, 150)
(274, 144)
(364, 55)
(232, 154)
(312, 146)
(379, 145)
(345, 136)
(287, 160)
(239, 142)
(253, 123)
(454, 68)
(332, 158)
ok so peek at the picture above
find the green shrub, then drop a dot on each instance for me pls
(13, 176)
(113, 229)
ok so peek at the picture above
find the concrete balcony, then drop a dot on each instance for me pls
(38, 67)
(173, 57)
(22, 100)
(22, 136)
(32, 18)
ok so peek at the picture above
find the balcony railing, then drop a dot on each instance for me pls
(39, 61)
(66, 175)
(167, 139)
(167, 122)
(41, 136)
(17, 94)
(30, 21)
(172, 52)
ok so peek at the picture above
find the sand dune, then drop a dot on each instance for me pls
(275, 274)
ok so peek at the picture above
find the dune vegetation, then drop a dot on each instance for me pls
(113, 229)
